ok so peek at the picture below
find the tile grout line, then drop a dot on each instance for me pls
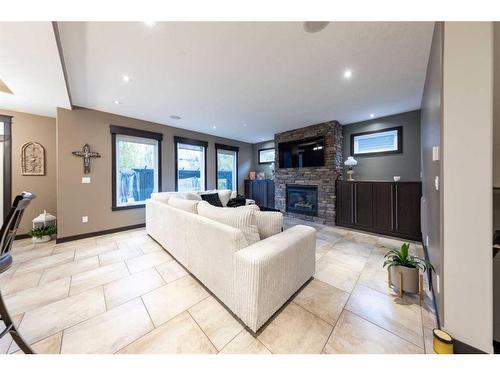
(208, 338)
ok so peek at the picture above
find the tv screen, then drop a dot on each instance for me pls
(304, 153)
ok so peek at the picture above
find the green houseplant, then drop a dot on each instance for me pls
(43, 233)
(401, 261)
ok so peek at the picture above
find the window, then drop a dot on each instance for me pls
(136, 166)
(226, 165)
(266, 156)
(190, 164)
(380, 142)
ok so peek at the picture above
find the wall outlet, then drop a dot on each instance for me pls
(85, 219)
(435, 153)
(437, 283)
(85, 180)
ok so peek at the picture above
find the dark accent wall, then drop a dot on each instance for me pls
(431, 130)
(261, 167)
(385, 167)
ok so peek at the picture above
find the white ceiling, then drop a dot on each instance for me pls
(30, 66)
(271, 76)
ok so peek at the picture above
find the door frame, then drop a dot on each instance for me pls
(7, 164)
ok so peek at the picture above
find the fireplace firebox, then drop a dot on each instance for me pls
(302, 199)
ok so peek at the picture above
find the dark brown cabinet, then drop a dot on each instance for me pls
(390, 208)
(261, 191)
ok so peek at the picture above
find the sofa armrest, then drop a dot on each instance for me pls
(270, 271)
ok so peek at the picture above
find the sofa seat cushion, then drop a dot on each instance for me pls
(212, 198)
(242, 219)
(184, 204)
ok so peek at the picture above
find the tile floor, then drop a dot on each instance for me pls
(123, 293)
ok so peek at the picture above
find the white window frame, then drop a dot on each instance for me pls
(396, 147)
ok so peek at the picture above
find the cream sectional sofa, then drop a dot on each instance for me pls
(253, 281)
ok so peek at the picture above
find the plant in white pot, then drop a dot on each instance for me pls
(43, 233)
(401, 262)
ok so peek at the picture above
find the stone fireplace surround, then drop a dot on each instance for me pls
(324, 177)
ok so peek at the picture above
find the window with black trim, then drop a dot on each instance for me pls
(378, 142)
(136, 166)
(226, 167)
(190, 164)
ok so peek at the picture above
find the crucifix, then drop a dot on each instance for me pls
(86, 154)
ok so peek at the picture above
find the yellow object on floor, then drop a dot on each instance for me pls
(442, 342)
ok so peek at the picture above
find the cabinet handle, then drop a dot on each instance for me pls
(355, 217)
(396, 208)
(392, 207)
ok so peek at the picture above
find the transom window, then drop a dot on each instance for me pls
(190, 164)
(226, 165)
(136, 166)
(380, 142)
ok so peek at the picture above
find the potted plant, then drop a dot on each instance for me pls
(43, 233)
(401, 261)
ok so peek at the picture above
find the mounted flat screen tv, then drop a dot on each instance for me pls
(303, 153)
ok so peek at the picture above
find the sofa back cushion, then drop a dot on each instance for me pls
(184, 204)
(224, 195)
(268, 223)
(244, 220)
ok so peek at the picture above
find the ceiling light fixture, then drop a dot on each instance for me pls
(126, 78)
(372, 115)
(150, 23)
(175, 117)
(244, 125)
(116, 101)
(348, 73)
(214, 127)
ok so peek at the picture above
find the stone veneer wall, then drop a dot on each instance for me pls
(324, 177)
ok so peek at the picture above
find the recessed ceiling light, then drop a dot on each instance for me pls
(214, 127)
(244, 125)
(126, 78)
(372, 115)
(116, 101)
(150, 23)
(175, 117)
(348, 73)
(314, 26)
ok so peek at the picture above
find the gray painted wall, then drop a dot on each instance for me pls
(383, 168)
(255, 161)
(431, 129)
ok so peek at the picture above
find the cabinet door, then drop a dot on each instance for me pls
(344, 203)
(407, 212)
(363, 204)
(383, 207)
(259, 192)
(270, 194)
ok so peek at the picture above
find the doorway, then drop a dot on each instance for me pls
(5, 165)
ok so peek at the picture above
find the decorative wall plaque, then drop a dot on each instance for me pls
(32, 159)
(86, 154)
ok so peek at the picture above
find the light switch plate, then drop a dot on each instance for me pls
(85, 180)
(85, 219)
(435, 153)
(437, 282)
(436, 182)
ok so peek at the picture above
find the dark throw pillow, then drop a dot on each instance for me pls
(213, 199)
(237, 202)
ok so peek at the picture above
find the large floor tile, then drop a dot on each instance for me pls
(47, 320)
(353, 262)
(32, 298)
(323, 300)
(45, 262)
(245, 343)
(166, 302)
(354, 335)
(31, 254)
(400, 316)
(179, 335)
(69, 269)
(335, 274)
(49, 345)
(217, 323)
(150, 247)
(376, 278)
(99, 276)
(147, 261)
(108, 332)
(171, 271)
(74, 245)
(19, 283)
(92, 251)
(350, 247)
(119, 255)
(329, 234)
(130, 287)
(295, 330)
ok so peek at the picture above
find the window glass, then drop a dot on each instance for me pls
(136, 169)
(384, 141)
(227, 169)
(190, 167)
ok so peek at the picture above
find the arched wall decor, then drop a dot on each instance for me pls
(32, 159)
